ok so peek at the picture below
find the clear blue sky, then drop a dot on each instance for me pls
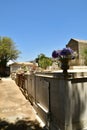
(40, 26)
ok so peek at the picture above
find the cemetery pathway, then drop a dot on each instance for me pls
(16, 112)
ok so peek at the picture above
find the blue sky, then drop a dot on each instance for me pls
(41, 26)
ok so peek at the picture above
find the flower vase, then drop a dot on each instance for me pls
(65, 66)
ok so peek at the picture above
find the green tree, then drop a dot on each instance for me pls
(43, 61)
(8, 52)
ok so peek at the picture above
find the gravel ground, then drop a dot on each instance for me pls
(16, 113)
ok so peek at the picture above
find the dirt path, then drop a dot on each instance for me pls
(16, 113)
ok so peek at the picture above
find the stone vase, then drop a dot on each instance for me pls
(65, 65)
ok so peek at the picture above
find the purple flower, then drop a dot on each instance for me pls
(55, 54)
(64, 56)
(66, 52)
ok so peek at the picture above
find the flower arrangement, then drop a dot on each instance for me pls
(64, 56)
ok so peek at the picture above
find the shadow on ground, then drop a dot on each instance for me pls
(20, 125)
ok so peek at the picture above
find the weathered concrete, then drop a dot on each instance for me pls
(13, 105)
(60, 100)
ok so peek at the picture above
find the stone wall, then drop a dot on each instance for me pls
(61, 102)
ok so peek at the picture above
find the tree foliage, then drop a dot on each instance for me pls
(43, 61)
(8, 51)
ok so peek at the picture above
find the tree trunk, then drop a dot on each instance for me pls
(3, 68)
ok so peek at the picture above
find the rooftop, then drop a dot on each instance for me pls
(78, 40)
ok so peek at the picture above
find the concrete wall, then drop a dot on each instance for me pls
(61, 102)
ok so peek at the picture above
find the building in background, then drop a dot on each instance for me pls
(78, 46)
(27, 66)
